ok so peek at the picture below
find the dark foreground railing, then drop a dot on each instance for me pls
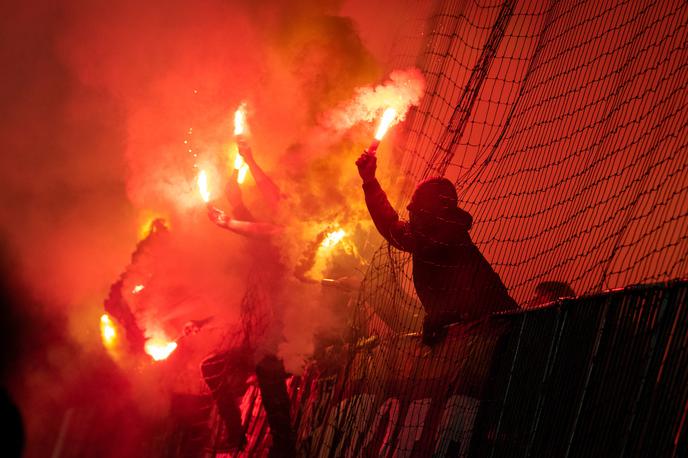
(602, 375)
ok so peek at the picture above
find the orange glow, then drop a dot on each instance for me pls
(137, 289)
(241, 167)
(203, 186)
(159, 348)
(388, 118)
(240, 120)
(241, 174)
(107, 330)
(146, 226)
(333, 238)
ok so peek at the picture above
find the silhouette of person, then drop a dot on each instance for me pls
(549, 291)
(220, 371)
(453, 280)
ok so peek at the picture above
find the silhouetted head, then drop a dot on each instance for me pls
(550, 291)
(434, 202)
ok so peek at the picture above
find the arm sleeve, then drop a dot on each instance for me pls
(386, 218)
(242, 213)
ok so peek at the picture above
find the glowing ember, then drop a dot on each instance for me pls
(241, 174)
(137, 289)
(240, 120)
(333, 238)
(159, 349)
(107, 330)
(388, 117)
(203, 186)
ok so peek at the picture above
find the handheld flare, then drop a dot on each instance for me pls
(107, 330)
(203, 186)
(239, 131)
(160, 348)
(240, 120)
(388, 118)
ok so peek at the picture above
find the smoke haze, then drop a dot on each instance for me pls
(109, 111)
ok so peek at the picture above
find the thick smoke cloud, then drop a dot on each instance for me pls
(106, 110)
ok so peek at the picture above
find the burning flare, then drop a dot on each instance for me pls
(137, 289)
(159, 348)
(241, 174)
(203, 186)
(107, 330)
(388, 118)
(238, 161)
(333, 238)
(241, 167)
(240, 120)
(240, 129)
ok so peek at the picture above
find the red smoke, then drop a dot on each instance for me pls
(100, 109)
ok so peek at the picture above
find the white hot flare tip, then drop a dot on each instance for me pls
(203, 186)
(241, 174)
(388, 118)
(240, 120)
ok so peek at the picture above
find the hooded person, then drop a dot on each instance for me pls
(453, 280)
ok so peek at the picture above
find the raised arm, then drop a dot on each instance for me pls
(269, 190)
(251, 229)
(386, 219)
(233, 192)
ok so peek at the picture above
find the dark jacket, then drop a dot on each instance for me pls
(453, 280)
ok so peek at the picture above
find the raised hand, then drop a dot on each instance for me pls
(217, 216)
(367, 164)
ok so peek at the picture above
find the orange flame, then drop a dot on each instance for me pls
(203, 186)
(240, 120)
(238, 161)
(241, 167)
(388, 118)
(107, 330)
(333, 238)
(241, 174)
(159, 348)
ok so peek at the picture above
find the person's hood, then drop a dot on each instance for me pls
(462, 219)
(450, 226)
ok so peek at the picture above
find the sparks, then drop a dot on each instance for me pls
(107, 330)
(240, 120)
(388, 117)
(203, 186)
(159, 349)
(333, 238)
(137, 289)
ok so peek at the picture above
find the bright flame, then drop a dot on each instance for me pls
(241, 174)
(137, 289)
(333, 238)
(159, 349)
(388, 117)
(240, 120)
(146, 225)
(107, 330)
(203, 186)
(238, 161)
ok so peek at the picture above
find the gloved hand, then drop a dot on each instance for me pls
(367, 164)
